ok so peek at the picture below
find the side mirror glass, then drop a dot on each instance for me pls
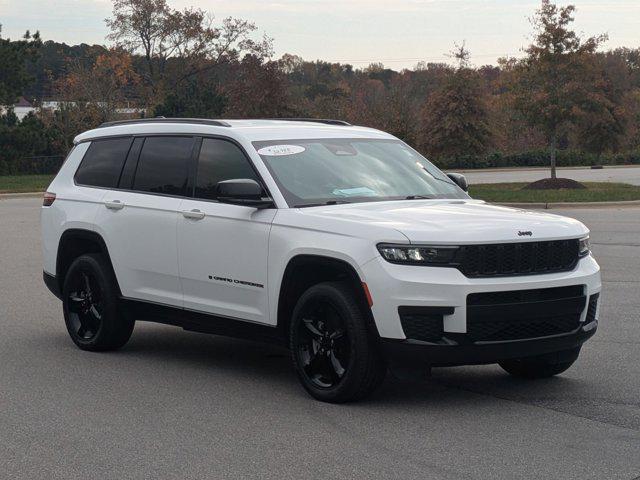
(459, 180)
(242, 191)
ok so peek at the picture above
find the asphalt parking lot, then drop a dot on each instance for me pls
(179, 405)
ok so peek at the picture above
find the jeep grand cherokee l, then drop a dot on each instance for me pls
(340, 242)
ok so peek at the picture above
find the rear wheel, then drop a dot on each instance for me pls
(90, 303)
(335, 354)
(542, 366)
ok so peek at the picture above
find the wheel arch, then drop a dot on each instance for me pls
(75, 242)
(305, 270)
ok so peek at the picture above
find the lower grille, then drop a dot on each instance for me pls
(521, 314)
(501, 330)
(423, 323)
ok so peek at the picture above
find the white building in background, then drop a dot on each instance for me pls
(23, 107)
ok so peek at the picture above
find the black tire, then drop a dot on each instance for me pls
(334, 350)
(543, 366)
(90, 304)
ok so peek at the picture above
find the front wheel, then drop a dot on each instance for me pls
(335, 354)
(542, 366)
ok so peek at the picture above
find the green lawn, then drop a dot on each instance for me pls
(595, 192)
(24, 183)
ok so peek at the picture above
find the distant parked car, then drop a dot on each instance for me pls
(341, 242)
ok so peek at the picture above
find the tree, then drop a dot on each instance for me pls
(186, 42)
(21, 140)
(53, 62)
(90, 94)
(102, 86)
(256, 89)
(195, 100)
(552, 84)
(67, 121)
(454, 118)
(14, 57)
(602, 117)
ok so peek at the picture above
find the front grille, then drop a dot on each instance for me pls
(521, 314)
(593, 308)
(527, 258)
(423, 323)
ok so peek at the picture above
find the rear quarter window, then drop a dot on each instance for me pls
(102, 164)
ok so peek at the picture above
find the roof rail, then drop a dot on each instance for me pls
(200, 121)
(326, 121)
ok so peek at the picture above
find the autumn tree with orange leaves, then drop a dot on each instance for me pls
(90, 95)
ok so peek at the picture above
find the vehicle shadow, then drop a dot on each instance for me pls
(271, 365)
(486, 380)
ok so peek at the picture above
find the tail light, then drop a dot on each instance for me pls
(48, 199)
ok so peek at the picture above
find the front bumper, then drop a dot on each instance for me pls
(393, 286)
(455, 350)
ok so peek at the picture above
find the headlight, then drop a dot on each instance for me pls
(418, 255)
(583, 246)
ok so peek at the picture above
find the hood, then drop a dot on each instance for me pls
(455, 221)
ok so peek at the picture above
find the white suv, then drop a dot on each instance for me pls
(340, 242)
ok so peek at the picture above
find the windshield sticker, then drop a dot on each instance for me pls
(354, 192)
(281, 150)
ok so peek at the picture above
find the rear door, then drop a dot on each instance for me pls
(139, 218)
(223, 248)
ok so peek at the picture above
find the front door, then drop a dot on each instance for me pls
(222, 248)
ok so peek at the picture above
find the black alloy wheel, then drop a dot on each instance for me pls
(322, 344)
(334, 344)
(85, 305)
(92, 313)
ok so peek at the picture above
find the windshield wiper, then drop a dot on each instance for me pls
(419, 197)
(328, 202)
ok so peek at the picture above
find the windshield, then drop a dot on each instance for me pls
(338, 170)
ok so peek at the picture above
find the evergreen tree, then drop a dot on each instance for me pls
(14, 56)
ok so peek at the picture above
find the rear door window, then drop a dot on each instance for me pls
(163, 166)
(220, 160)
(102, 164)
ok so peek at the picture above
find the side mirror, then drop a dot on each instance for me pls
(242, 191)
(459, 180)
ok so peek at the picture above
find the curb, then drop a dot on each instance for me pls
(7, 196)
(533, 169)
(551, 206)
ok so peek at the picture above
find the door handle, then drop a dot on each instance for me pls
(114, 204)
(194, 214)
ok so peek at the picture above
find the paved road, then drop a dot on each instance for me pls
(174, 404)
(624, 175)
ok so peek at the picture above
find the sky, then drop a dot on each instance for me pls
(397, 33)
